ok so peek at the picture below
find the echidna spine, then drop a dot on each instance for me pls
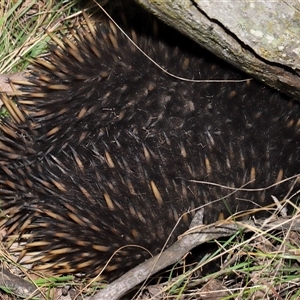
(114, 151)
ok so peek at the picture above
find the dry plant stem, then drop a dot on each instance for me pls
(140, 273)
(17, 285)
(192, 238)
(239, 32)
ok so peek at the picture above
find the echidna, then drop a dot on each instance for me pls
(110, 151)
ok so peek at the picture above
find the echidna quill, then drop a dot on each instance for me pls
(108, 151)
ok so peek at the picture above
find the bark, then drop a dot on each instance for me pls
(262, 38)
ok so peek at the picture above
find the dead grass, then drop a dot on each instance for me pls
(24, 26)
(256, 265)
(261, 265)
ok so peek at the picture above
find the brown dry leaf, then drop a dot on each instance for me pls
(5, 86)
(213, 289)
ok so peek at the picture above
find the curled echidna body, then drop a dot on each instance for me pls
(110, 151)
